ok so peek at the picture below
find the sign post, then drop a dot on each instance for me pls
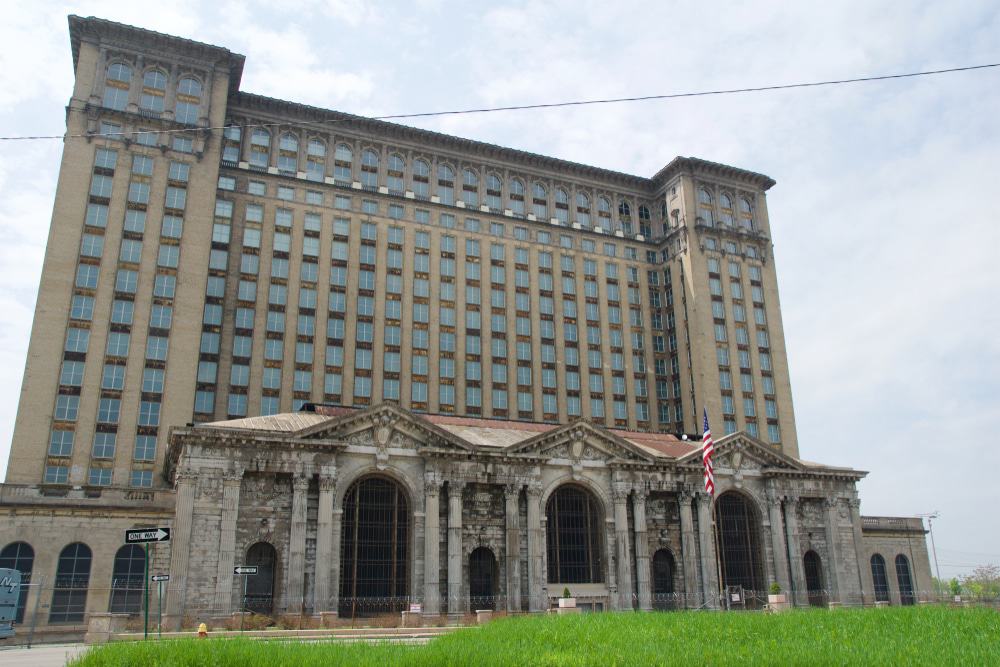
(159, 579)
(144, 536)
(244, 571)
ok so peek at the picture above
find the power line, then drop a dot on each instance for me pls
(527, 107)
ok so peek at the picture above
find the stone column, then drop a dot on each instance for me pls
(642, 571)
(688, 549)
(778, 540)
(227, 541)
(706, 540)
(336, 532)
(536, 540)
(512, 495)
(865, 582)
(324, 545)
(297, 546)
(832, 556)
(619, 495)
(432, 546)
(455, 602)
(795, 550)
(185, 484)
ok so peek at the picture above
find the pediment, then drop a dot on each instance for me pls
(385, 426)
(581, 441)
(739, 452)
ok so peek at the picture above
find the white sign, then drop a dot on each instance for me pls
(245, 569)
(416, 608)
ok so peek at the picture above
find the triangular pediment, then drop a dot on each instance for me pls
(581, 441)
(740, 451)
(385, 426)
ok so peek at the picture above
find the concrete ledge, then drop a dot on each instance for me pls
(339, 633)
(101, 627)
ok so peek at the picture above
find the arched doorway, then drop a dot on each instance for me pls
(905, 580)
(482, 579)
(740, 556)
(127, 580)
(260, 587)
(374, 548)
(69, 595)
(663, 580)
(21, 557)
(814, 579)
(880, 578)
(573, 537)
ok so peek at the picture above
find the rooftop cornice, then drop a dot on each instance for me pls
(697, 167)
(101, 29)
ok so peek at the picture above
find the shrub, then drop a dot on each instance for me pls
(775, 588)
(566, 593)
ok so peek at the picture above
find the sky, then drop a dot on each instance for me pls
(885, 237)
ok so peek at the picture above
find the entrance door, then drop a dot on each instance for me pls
(814, 579)
(482, 579)
(260, 587)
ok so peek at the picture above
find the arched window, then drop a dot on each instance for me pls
(905, 580)
(813, 567)
(625, 216)
(562, 206)
(645, 221)
(880, 579)
(116, 85)
(188, 100)
(539, 201)
(517, 196)
(316, 160)
(260, 147)
(421, 179)
(573, 536)
(583, 209)
(746, 214)
(343, 157)
(397, 165)
(21, 557)
(726, 214)
(604, 212)
(260, 587)
(288, 153)
(369, 169)
(663, 580)
(704, 196)
(69, 594)
(374, 548)
(494, 192)
(482, 579)
(127, 580)
(154, 87)
(446, 184)
(470, 187)
(738, 538)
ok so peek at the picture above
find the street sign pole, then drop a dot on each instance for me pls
(243, 604)
(145, 595)
(159, 610)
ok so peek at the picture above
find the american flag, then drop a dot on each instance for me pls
(707, 448)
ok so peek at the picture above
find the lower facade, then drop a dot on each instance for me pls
(357, 513)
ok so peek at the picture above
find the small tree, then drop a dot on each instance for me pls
(775, 588)
(955, 587)
(566, 592)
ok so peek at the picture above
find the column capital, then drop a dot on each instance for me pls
(233, 477)
(534, 490)
(831, 503)
(685, 494)
(185, 477)
(300, 483)
(432, 482)
(703, 497)
(641, 493)
(619, 492)
(773, 497)
(791, 499)
(854, 503)
(327, 482)
(455, 488)
(512, 491)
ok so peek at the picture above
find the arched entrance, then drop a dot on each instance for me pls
(374, 548)
(663, 580)
(127, 580)
(260, 587)
(880, 578)
(905, 580)
(813, 566)
(573, 536)
(21, 557)
(740, 556)
(482, 579)
(69, 596)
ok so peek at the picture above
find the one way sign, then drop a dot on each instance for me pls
(143, 535)
(245, 569)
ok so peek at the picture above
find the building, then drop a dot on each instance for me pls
(254, 314)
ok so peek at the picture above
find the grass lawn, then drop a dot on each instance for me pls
(896, 636)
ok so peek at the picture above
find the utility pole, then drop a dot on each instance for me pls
(930, 516)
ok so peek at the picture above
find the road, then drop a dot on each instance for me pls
(40, 656)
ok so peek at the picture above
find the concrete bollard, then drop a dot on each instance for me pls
(483, 616)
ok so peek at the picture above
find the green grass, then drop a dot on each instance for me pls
(897, 636)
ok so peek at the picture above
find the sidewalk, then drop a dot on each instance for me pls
(40, 656)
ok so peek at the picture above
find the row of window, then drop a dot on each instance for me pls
(152, 95)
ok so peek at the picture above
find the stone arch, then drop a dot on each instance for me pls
(663, 574)
(396, 474)
(261, 589)
(127, 580)
(738, 533)
(904, 579)
(575, 535)
(484, 578)
(812, 565)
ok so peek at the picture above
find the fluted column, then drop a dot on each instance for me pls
(833, 556)
(336, 532)
(536, 542)
(642, 570)
(227, 541)
(706, 540)
(455, 602)
(865, 582)
(432, 545)
(794, 550)
(688, 548)
(297, 545)
(778, 539)
(619, 495)
(324, 545)
(180, 545)
(512, 496)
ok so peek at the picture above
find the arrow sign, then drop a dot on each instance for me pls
(245, 569)
(144, 535)
(160, 577)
